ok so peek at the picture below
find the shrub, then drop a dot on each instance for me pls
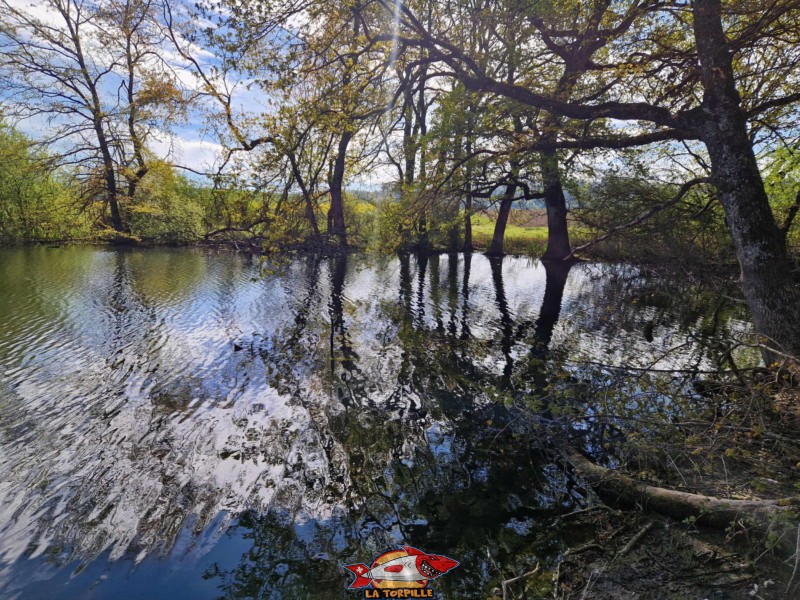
(35, 204)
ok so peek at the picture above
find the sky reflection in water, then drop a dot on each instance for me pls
(182, 425)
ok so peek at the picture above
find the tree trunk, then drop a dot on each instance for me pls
(497, 248)
(113, 203)
(558, 247)
(110, 176)
(409, 147)
(109, 173)
(423, 240)
(309, 205)
(336, 224)
(772, 293)
(422, 121)
(468, 196)
(454, 238)
(468, 221)
(131, 60)
(312, 217)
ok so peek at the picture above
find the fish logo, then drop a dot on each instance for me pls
(407, 568)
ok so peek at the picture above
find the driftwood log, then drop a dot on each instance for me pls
(618, 489)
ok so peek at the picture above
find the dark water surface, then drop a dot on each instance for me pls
(178, 425)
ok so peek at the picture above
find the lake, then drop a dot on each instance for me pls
(176, 423)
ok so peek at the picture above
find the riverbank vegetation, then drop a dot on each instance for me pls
(638, 131)
(43, 203)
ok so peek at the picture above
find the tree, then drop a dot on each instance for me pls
(92, 73)
(327, 84)
(708, 108)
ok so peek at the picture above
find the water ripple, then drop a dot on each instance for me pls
(149, 399)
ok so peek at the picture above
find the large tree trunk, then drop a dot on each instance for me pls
(497, 247)
(409, 146)
(422, 128)
(94, 105)
(309, 204)
(423, 240)
(112, 193)
(772, 294)
(134, 176)
(113, 203)
(109, 174)
(336, 224)
(454, 238)
(558, 247)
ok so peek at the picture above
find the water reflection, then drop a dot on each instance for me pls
(191, 425)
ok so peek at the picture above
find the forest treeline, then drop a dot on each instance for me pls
(649, 124)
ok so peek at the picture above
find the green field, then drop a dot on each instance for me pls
(518, 240)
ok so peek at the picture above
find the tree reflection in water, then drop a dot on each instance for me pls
(245, 436)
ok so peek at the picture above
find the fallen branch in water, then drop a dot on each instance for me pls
(706, 510)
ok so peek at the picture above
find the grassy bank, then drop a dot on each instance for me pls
(519, 239)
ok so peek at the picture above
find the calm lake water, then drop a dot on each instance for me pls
(177, 424)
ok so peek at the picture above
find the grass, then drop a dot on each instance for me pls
(518, 240)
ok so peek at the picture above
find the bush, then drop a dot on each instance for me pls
(166, 208)
(35, 204)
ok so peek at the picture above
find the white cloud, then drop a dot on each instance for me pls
(198, 155)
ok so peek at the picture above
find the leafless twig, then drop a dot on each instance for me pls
(508, 582)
